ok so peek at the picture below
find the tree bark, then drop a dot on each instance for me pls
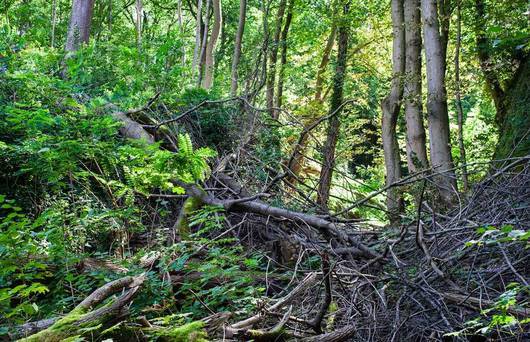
(444, 14)
(514, 133)
(139, 21)
(390, 106)
(79, 27)
(181, 30)
(237, 46)
(328, 152)
(458, 99)
(324, 63)
(283, 58)
(207, 82)
(416, 141)
(441, 159)
(204, 43)
(271, 77)
(54, 22)
(197, 48)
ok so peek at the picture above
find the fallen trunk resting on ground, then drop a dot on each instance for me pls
(84, 316)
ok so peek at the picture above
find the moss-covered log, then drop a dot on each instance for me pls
(83, 319)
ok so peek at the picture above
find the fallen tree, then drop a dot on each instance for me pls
(85, 317)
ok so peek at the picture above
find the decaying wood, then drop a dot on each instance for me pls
(83, 315)
(339, 335)
(242, 328)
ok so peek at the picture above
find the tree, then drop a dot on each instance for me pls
(197, 48)
(237, 46)
(458, 98)
(391, 106)
(209, 60)
(139, 22)
(204, 43)
(511, 96)
(283, 59)
(440, 148)
(295, 166)
(271, 74)
(332, 135)
(79, 27)
(415, 142)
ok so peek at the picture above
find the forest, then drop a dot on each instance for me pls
(264, 170)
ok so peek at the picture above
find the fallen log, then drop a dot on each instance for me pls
(328, 229)
(83, 318)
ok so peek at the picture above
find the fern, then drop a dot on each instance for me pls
(185, 145)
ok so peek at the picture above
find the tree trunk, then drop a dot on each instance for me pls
(181, 31)
(514, 133)
(283, 62)
(271, 79)
(444, 14)
(415, 142)
(197, 48)
(237, 45)
(216, 29)
(390, 106)
(79, 27)
(54, 22)
(139, 21)
(441, 159)
(324, 63)
(299, 150)
(458, 100)
(326, 173)
(204, 43)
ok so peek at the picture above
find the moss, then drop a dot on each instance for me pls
(182, 225)
(191, 332)
(514, 135)
(60, 330)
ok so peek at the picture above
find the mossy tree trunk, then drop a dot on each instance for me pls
(514, 130)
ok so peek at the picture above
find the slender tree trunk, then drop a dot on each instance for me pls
(204, 43)
(326, 173)
(458, 100)
(197, 48)
(283, 58)
(54, 22)
(437, 103)
(324, 63)
(216, 29)
(109, 19)
(271, 79)
(79, 27)
(139, 21)
(390, 106)
(181, 31)
(299, 150)
(416, 142)
(237, 46)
